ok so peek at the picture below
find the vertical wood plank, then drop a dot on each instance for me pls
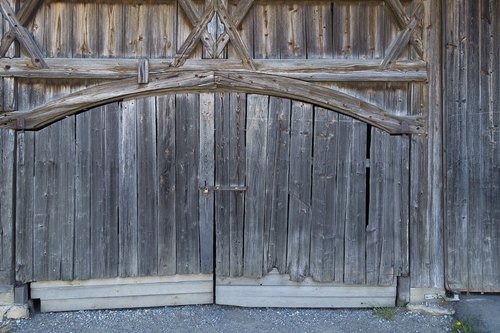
(323, 227)
(163, 32)
(206, 169)
(7, 215)
(110, 16)
(351, 187)
(319, 23)
(137, 33)
(292, 23)
(237, 175)
(128, 241)
(166, 159)
(146, 186)
(256, 166)
(187, 187)
(24, 193)
(222, 198)
(278, 164)
(111, 191)
(300, 179)
(265, 43)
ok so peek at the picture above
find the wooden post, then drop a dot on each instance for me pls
(426, 234)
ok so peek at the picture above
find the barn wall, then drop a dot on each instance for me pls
(7, 167)
(82, 180)
(472, 145)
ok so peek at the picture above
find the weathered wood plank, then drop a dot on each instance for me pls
(237, 176)
(166, 145)
(137, 30)
(351, 196)
(127, 188)
(299, 189)
(147, 196)
(163, 43)
(222, 171)
(277, 290)
(319, 27)
(187, 187)
(206, 178)
(278, 164)
(323, 226)
(265, 44)
(256, 166)
(111, 190)
(110, 16)
(7, 207)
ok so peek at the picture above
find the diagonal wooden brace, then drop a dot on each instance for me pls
(191, 41)
(239, 46)
(22, 35)
(241, 11)
(194, 17)
(404, 21)
(23, 16)
(398, 45)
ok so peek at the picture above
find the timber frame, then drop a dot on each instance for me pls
(292, 79)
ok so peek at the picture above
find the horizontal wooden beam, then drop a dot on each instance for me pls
(324, 70)
(182, 81)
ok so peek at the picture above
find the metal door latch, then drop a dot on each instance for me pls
(234, 188)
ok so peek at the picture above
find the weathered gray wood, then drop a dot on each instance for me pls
(98, 219)
(351, 197)
(137, 31)
(277, 290)
(222, 171)
(256, 166)
(7, 207)
(166, 113)
(25, 160)
(265, 44)
(111, 191)
(122, 292)
(110, 16)
(206, 178)
(22, 35)
(252, 82)
(147, 196)
(186, 183)
(237, 176)
(323, 226)
(127, 187)
(319, 25)
(82, 243)
(299, 189)
(311, 70)
(278, 164)
(23, 15)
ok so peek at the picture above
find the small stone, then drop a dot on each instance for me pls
(433, 309)
(18, 312)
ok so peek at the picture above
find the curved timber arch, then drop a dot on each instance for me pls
(182, 81)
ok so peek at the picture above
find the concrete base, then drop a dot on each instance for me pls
(422, 295)
(14, 312)
(6, 294)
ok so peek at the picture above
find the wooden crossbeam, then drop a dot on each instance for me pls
(22, 35)
(404, 21)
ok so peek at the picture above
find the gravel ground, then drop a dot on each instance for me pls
(213, 318)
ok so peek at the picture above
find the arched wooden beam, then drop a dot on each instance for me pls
(181, 81)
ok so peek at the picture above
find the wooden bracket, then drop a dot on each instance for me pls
(19, 32)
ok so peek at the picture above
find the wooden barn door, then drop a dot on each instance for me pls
(310, 207)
